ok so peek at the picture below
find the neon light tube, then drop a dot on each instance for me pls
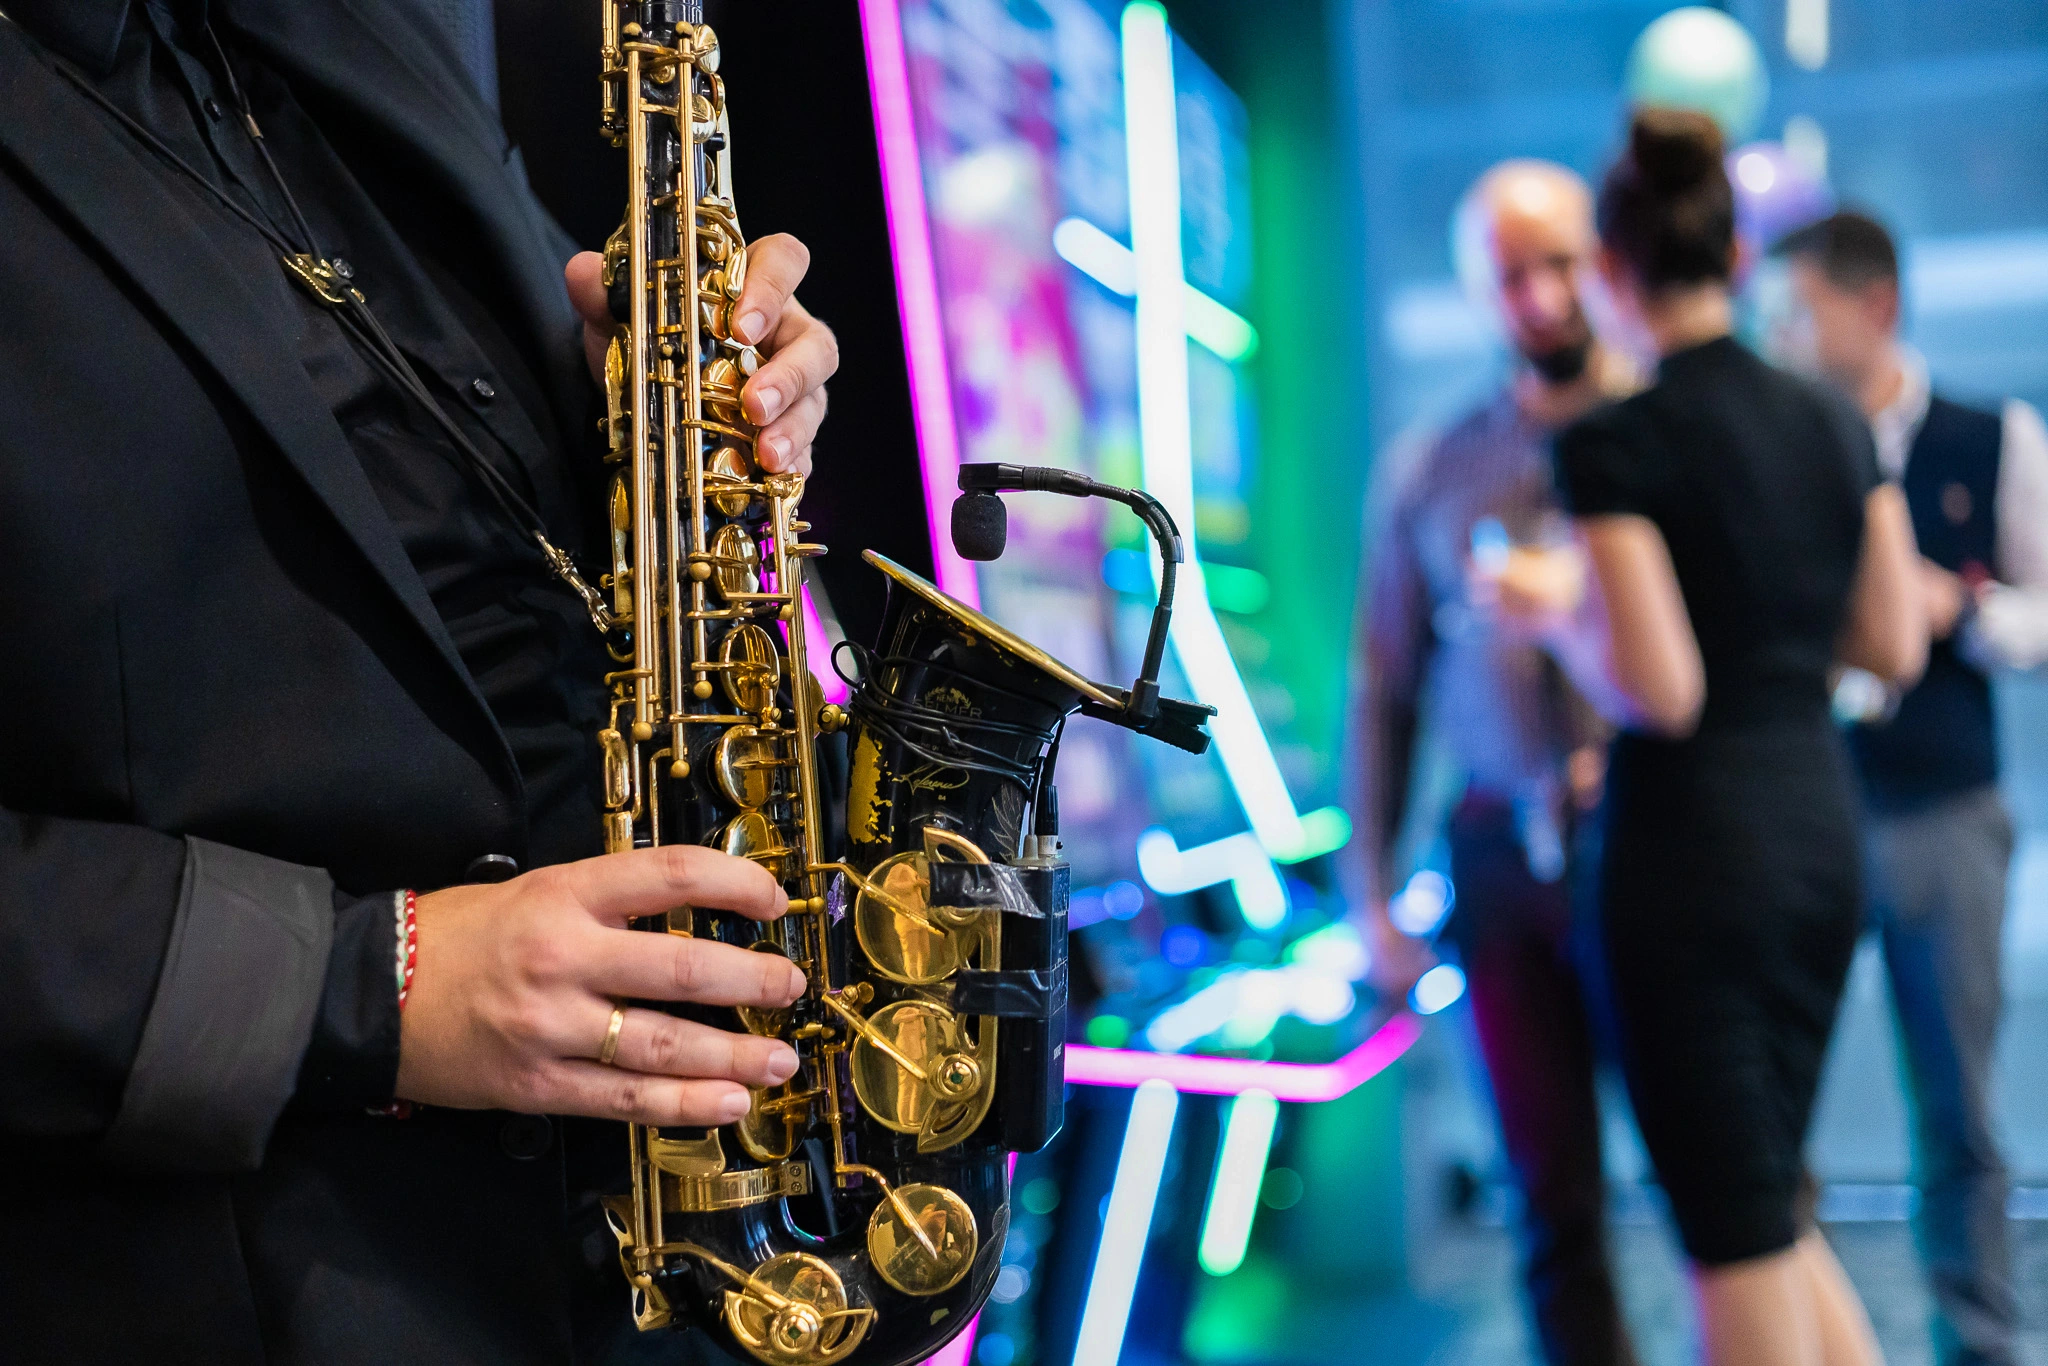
(1236, 859)
(1165, 441)
(818, 645)
(1287, 1081)
(1126, 1225)
(1096, 255)
(1219, 327)
(1234, 1195)
(1110, 264)
(917, 288)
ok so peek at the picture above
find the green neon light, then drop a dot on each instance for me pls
(1234, 1196)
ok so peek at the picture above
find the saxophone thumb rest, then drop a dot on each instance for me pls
(981, 529)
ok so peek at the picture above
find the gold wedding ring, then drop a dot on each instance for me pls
(609, 1054)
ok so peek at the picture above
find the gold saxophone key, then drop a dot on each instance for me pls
(896, 930)
(931, 1257)
(735, 561)
(793, 1312)
(753, 667)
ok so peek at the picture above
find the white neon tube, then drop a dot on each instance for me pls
(1240, 1168)
(1109, 263)
(1237, 859)
(1165, 440)
(1126, 1225)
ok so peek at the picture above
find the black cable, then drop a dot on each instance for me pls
(248, 114)
(352, 311)
(916, 726)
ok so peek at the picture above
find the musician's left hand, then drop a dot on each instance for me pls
(786, 396)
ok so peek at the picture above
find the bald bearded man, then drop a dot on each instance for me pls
(1469, 548)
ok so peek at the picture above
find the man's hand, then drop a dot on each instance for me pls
(786, 396)
(1533, 592)
(1585, 772)
(1398, 960)
(513, 993)
(1945, 595)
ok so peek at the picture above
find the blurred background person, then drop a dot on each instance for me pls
(1938, 838)
(1454, 511)
(1741, 541)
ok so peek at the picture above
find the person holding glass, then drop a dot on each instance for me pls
(1740, 544)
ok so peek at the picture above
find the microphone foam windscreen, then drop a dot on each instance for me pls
(981, 526)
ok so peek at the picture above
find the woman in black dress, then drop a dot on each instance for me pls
(1741, 544)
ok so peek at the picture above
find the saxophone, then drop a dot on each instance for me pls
(857, 1212)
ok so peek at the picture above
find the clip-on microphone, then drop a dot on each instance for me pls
(981, 527)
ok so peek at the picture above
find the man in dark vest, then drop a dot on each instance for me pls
(1938, 836)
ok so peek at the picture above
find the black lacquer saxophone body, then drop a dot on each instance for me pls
(857, 1212)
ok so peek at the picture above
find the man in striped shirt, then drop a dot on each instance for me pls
(1470, 548)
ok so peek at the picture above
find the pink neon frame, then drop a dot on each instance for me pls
(1291, 1081)
(917, 287)
(819, 647)
(938, 442)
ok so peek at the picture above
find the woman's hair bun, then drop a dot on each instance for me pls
(1674, 149)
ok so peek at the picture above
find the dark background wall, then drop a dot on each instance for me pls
(803, 163)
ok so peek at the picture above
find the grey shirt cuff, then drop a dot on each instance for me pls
(233, 1012)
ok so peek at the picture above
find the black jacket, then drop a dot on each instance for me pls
(226, 707)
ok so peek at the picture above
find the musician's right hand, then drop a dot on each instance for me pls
(514, 986)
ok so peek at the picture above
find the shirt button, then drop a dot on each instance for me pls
(343, 269)
(484, 392)
(525, 1137)
(212, 108)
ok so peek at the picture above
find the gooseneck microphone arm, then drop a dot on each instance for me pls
(979, 531)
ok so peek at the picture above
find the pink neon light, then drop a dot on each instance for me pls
(917, 287)
(1290, 1081)
(818, 646)
(1232, 1076)
(960, 1350)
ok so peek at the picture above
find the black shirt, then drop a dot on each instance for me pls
(1757, 480)
(523, 635)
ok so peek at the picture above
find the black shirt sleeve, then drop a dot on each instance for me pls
(1599, 470)
(352, 1059)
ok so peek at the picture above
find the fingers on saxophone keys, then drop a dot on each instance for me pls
(584, 277)
(585, 1088)
(805, 355)
(662, 1045)
(659, 967)
(616, 888)
(798, 427)
(775, 266)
